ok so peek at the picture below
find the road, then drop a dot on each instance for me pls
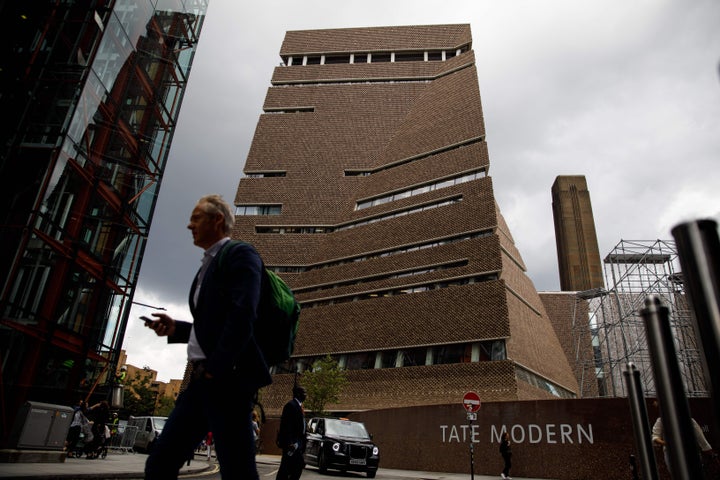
(268, 472)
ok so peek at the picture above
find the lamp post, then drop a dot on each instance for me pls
(149, 306)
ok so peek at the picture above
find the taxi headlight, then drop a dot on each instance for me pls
(376, 450)
(336, 447)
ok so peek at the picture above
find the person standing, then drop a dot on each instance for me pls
(256, 431)
(99, 414)
(227, 365)
(506, 452)
(704, 448)
(78, 420)
(209, 445)
(291, 437)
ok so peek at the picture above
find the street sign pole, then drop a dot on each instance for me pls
(471, 404)
(471, 416)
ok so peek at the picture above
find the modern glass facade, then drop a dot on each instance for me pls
(90, 95)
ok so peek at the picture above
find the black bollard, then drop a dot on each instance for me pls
(633, 468)
(641, 424)
(698, 247)
(674, 410)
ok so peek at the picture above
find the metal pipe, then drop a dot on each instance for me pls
(674, 410)
(698, 247)
(641, 424)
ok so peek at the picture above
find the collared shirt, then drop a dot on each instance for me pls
(194, 351)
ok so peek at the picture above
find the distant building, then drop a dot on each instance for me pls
(367, 187)
(577, 246)
(90, 94)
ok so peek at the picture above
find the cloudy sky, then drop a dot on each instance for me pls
(625, 93)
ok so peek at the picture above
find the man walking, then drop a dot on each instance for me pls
(227, 365)
(291, 437)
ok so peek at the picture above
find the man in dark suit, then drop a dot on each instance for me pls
(291, 437)
(227, 365)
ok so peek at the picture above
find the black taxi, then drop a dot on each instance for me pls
(341, 444)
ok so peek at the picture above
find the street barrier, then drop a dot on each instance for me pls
(123, 442)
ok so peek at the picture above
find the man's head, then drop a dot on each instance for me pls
(210, 221)
(299, 393)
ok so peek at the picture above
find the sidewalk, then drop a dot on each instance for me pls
(131, 465)
(116, 465)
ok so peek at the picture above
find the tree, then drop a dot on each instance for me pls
(164, 406)
(139, 396)
(323, 383)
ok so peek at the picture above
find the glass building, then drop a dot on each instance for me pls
(90, 93)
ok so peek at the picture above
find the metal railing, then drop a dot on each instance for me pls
(123, 442)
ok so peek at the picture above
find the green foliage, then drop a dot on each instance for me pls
(323, 383)
(164, 406)
(139, 396)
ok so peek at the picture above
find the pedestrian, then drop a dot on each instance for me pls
(208, 445)
(256, 431)
(227, 365)
(73, 437)
(291, 437)
(706, 454)
(114, 425)
(506, 452)
(98, 414)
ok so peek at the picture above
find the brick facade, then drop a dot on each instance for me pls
(434, 266)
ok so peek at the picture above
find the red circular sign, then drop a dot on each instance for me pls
(471, 402)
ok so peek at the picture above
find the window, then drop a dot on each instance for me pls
(257, 210)
(410, 57)
(360, 361)
(393, 197)
(265, 174)
(380, 57)
(452, 354)
(414, 357)
(313, 60)
(334, 59)
(388, 359)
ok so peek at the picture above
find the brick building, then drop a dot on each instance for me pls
(577, 246)
(367, 187)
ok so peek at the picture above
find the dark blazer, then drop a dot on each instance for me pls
(224, 317)
(292, 426)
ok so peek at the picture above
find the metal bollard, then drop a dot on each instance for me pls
(698, 247)
(641, 425)
(674, 410)
(633, 468)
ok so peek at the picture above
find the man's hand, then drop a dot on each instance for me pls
(163, 324)
(292, 448)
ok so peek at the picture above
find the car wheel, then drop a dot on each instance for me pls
(322, 464)
(371, 474)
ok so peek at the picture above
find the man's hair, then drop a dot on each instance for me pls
(214, 204)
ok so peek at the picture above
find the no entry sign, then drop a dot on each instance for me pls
(471, 402)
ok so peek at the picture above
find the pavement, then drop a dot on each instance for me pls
(131, 465)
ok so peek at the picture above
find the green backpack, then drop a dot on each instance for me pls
(278, 314)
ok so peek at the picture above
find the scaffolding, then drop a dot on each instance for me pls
(609, 331)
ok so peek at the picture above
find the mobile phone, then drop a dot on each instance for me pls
(146, 319)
